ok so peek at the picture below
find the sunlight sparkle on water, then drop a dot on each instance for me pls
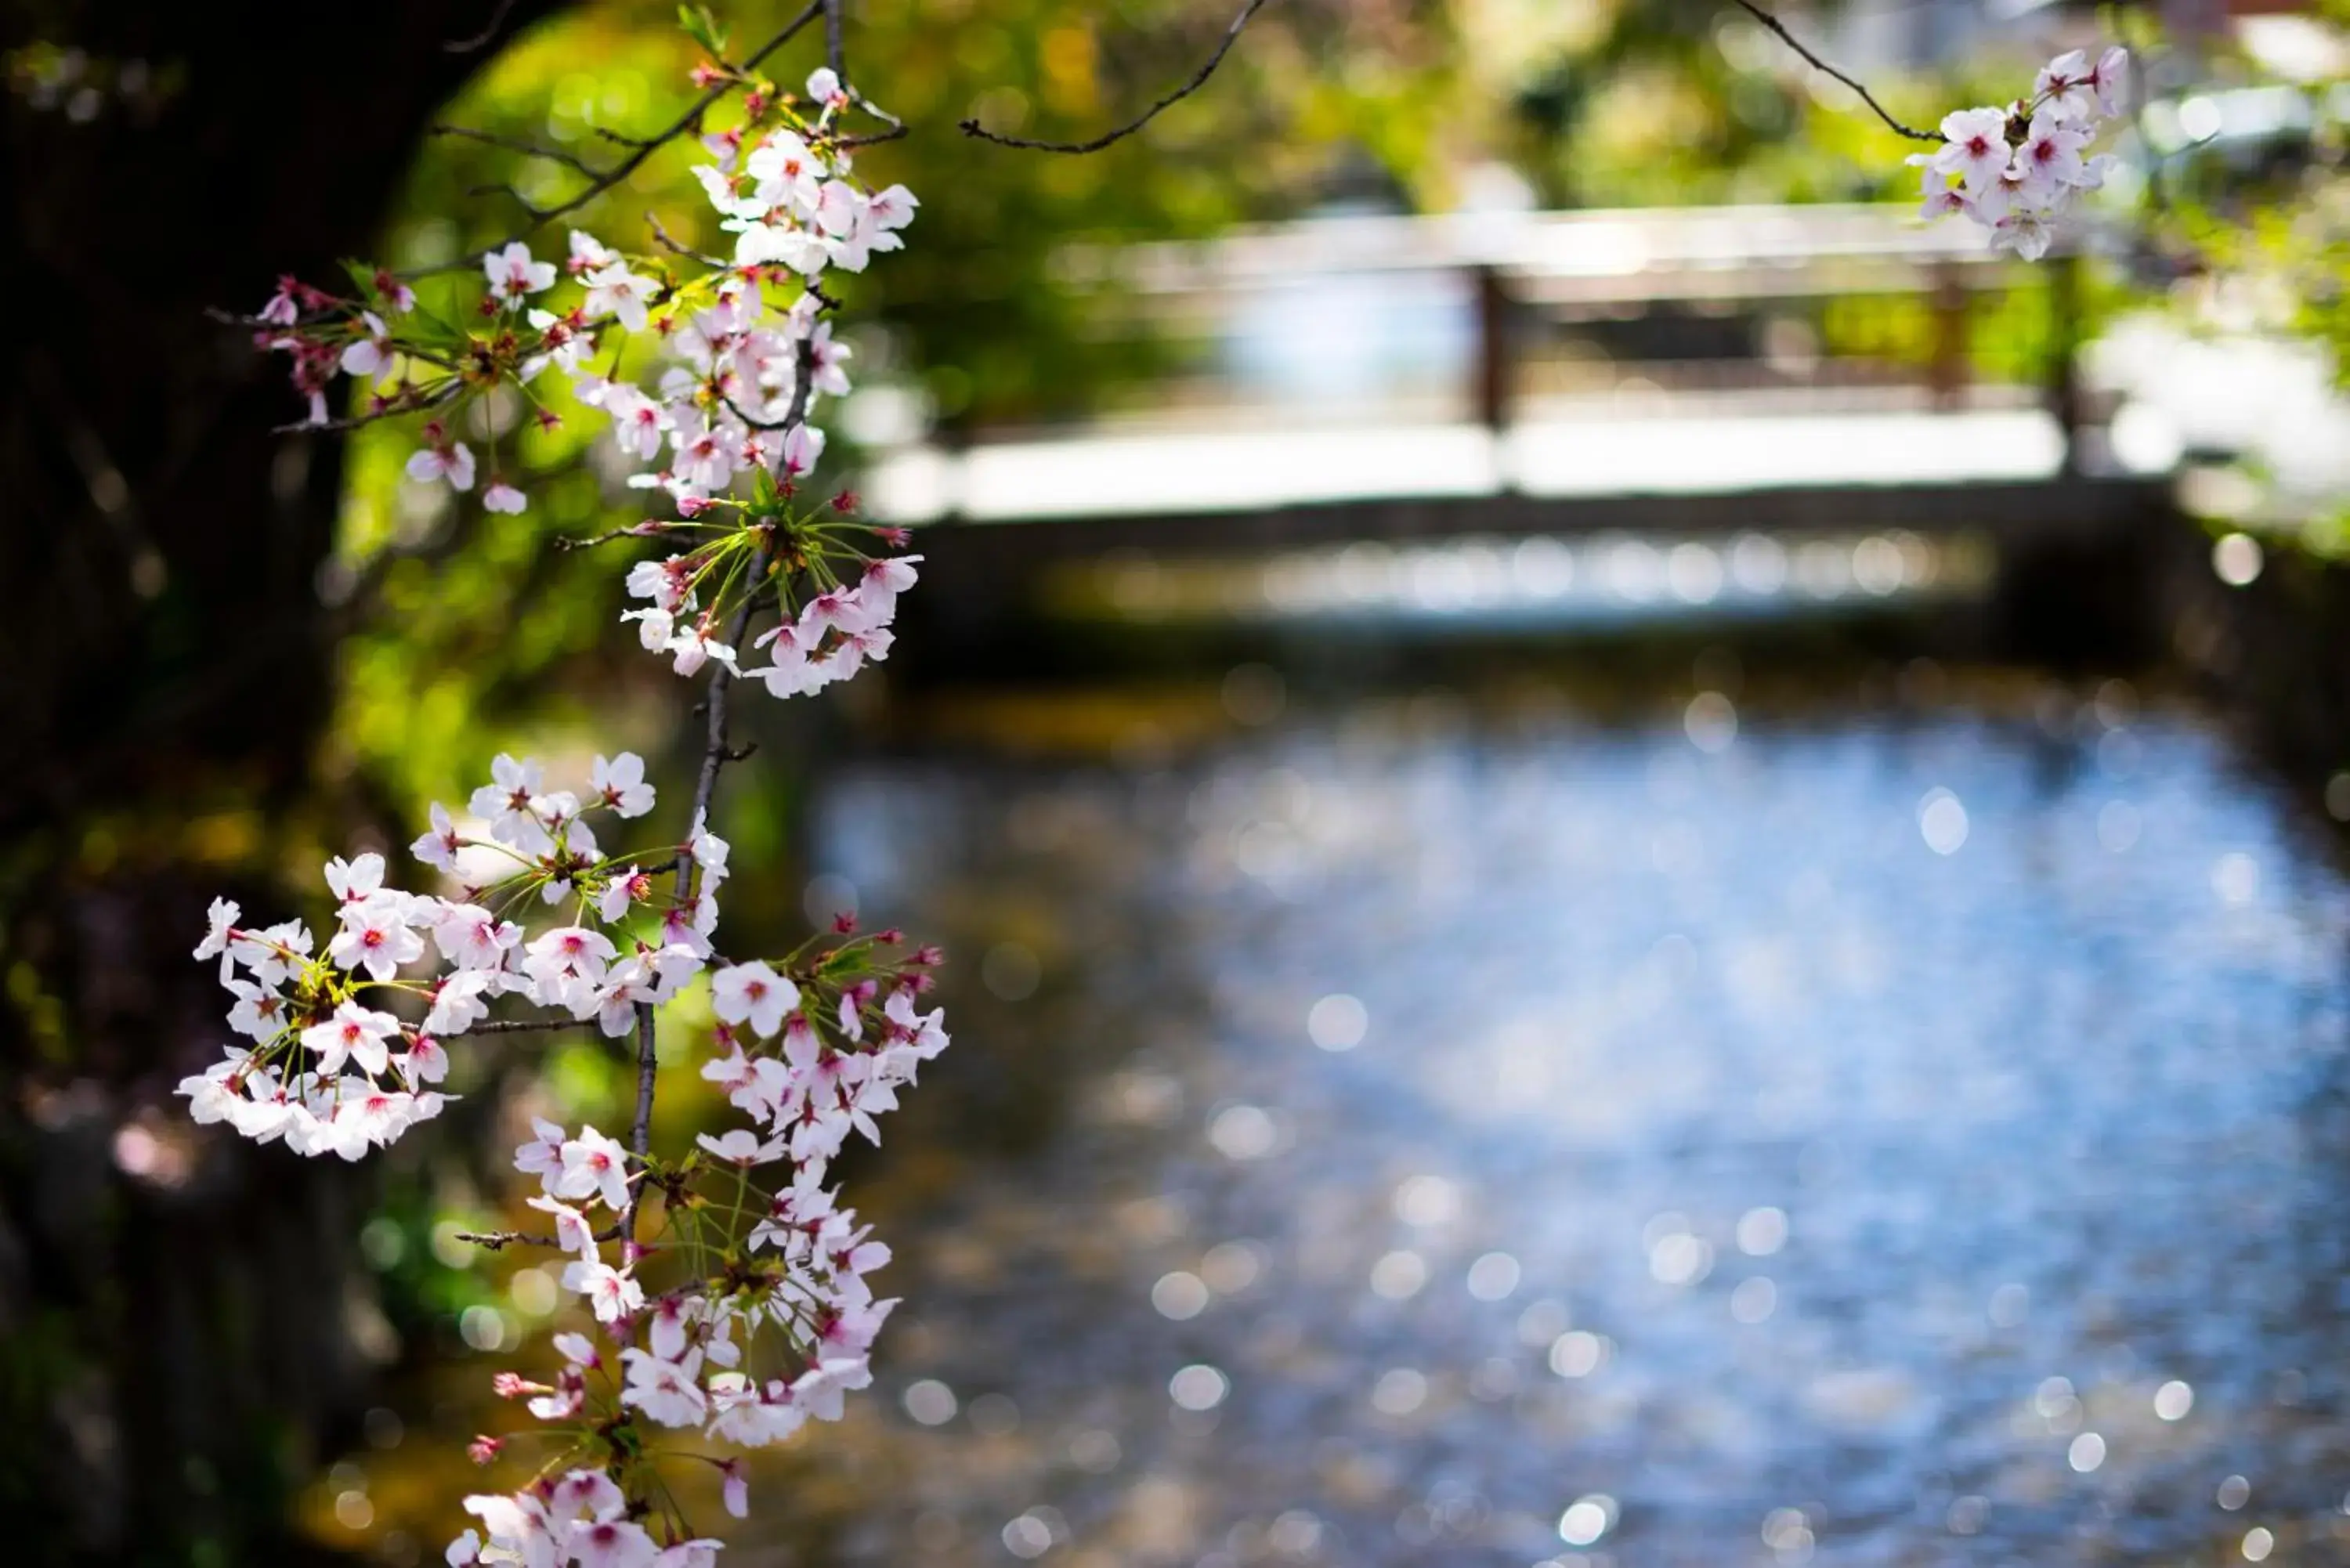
(930, 1402)
(1587, 1520)
(1198, 1387)
(1180, 1295)
(1400, 1391)
(1398, 1275)
(1337, 1023)
(1762, 1231)
(1493, 1276)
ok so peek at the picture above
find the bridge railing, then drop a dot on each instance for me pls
(1503, 283)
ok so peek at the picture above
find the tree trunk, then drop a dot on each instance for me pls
(172, 1310)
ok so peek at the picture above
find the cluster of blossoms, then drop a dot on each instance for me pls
(719, 423)
(330, 1075)
(2016, 170)
(721, 1295)
(762, 1319)
(839, 627)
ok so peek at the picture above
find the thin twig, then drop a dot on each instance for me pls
(754, 420)
(497, 1240)
(644, 146)
(1768, 20)
(522, 144)
(1199, 80)
(668, 242)
(514, 1026)
(356, 421)
(483, 39)
(652, 527)
(835, 55)
(877, 111)
(894, 127)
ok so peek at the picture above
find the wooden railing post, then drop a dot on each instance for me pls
(1495, 376)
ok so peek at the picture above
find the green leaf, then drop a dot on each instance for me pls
(425, 326)
(703, 29)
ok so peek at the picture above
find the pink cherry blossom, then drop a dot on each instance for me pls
(754, 994)
(594, 1165)
(451, 461)
(513, 274)
(611, 1293)
(372, 355)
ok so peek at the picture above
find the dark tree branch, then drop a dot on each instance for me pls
(641, 1127)
(523, 145)
(1768, 20)
(754, 420)
(896, 128)
(715, 755)
(514, 1026)
(498, 1240)
(1199, 80)
(350, 421)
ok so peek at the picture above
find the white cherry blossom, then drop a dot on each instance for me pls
(513, 274)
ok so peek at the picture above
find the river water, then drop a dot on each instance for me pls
(1434, 1129)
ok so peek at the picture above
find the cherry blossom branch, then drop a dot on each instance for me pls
(328, 1073)
(1197, 80)
(1785, 36)
(647, 529)
(498, 1240)
(643, 147)
(640, 1129)
(715, 755)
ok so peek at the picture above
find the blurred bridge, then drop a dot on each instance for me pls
(1660, 378)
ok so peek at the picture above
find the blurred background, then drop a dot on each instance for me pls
(1641, 863)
